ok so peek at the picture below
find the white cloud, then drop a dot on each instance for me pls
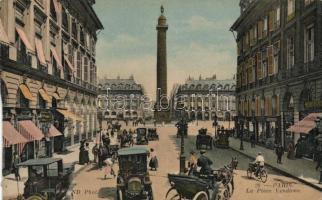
(199, 23)
(123, 40)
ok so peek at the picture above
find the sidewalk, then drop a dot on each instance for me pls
(300, 169)
(11, 188)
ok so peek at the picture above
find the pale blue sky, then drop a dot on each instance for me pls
(198, 39)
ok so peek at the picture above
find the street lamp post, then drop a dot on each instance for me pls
(182, 128)
(242, 132)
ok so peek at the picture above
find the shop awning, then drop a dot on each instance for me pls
(56, 57)
(68, 114)
(26, 92)
(53, 132)
(69, 64)
(305, 125)
(3, 35)
(29, 130)
(40, 52)
(56, 96)
(24, 38)
(44, 95)
(11, 135)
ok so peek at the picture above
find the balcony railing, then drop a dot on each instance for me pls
(23, 58)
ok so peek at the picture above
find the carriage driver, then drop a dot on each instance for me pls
(204, 162)
(259, 161)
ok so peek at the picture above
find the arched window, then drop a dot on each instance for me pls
(22, 102)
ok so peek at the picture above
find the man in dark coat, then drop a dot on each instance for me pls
(279, 152)
(252, 140)
(204, 162)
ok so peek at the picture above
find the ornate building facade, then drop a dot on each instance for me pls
(203, 99)
(48, 74)
(279, 73)
(120, 99)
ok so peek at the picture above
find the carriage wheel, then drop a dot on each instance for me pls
(249, 173)
(201, 196)
(172, 194)
(263, 176)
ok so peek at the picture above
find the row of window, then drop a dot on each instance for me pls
(266, 62)
(267, 106)
(268, 23)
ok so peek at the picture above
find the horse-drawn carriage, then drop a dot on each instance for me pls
(133, 181)
(152, 134)
(48, 178)
(141, 137)
(221, 140)
(203, 139)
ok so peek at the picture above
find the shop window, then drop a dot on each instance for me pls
(309, 44)
(290, 52)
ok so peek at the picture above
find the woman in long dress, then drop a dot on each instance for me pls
(153, 164)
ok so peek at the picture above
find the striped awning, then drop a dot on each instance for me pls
(12, 137)
(56, 57)
(53, 132)
(69, 114)
(44, 95)
(24, 38)
(29, 130)
(56, 96)
(26, 92)
(40, 52)
(3, 35)
(305, 125)
(69, 64)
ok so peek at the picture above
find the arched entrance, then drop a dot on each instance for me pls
(199, 115)
(207, 117)
(193, 115)
(227, 116)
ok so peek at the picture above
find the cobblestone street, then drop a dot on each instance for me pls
(90, 183)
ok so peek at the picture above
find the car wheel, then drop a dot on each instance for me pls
(201, 196)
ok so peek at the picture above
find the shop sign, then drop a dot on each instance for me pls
(315, 104)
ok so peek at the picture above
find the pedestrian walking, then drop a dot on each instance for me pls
(279, 153)
(95, 152)
(108, 170)
(252, 140)
(290, 151)
(318, 160)
(15, 166)
(153, 164)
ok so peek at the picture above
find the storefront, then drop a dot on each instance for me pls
(13, 142)
(306, 128)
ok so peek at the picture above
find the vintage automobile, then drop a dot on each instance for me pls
(195, 188)
(221, 140)
(152, 134)
(141, 137)
(48, 178)
(203, 139)
(133, 180)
